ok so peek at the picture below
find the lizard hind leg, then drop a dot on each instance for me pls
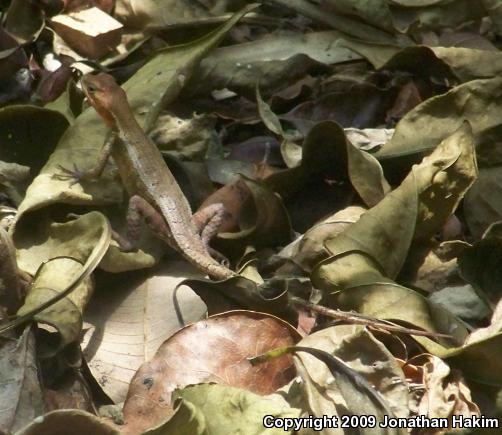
(139, 211)
(208, 221)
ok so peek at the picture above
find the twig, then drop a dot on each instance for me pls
(360, 319)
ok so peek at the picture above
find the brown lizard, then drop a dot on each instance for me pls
(154, 193)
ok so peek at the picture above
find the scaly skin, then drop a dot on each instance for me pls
(144, 173)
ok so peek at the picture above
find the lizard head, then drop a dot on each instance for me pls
(104, 94)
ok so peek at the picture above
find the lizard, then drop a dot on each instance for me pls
(154, 195)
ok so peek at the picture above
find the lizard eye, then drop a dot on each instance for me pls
(91, 88)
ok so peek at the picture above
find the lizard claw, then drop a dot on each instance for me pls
(74, 175)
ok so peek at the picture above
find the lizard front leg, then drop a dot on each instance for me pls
(76, 175)
(208, 222)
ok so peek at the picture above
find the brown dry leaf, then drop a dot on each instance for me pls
(368, 139)
(21, 398)
(483, 201)
(306, 251)
(366, 175)
(69, 392)
(144, 13)
(440, 116)
(60, 422)
(131, 318)
(263, 221)
(359, 104)
(24, 20)
(373, 250)
(339, 22)
(245, 292)
(479, 359)
(10, 284)
(64, 256)
(213, 350)
(408, 97)
(54, 84)
(491, 330)
(75, 5)
(445, 392)
(12, 58)
(277, 60)
(13, 172)
(433, 266)
(232, 196)
(185, 138)
(361, 352)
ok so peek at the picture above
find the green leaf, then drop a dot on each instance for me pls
(479, 265)
(277, 61)
(62, 250)
(24, 20)
(479, 101)
(443, 179)
(374, 12)
(268, 117)
(229, 410)
(385, 232)
(447, 14)
(187, 420)
(366, 175)
(483, 202)
(419, 3)
(324, 150)
(157, 13)
(343, 24)
(452, 63)
(480, 361)
(370, 253)
(494, 9)
(462, 301)
(24, 136)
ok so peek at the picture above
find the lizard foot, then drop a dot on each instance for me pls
(74, 175)
(124, 244)
(218, 256)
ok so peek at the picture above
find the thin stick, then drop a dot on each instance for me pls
(360, 319)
